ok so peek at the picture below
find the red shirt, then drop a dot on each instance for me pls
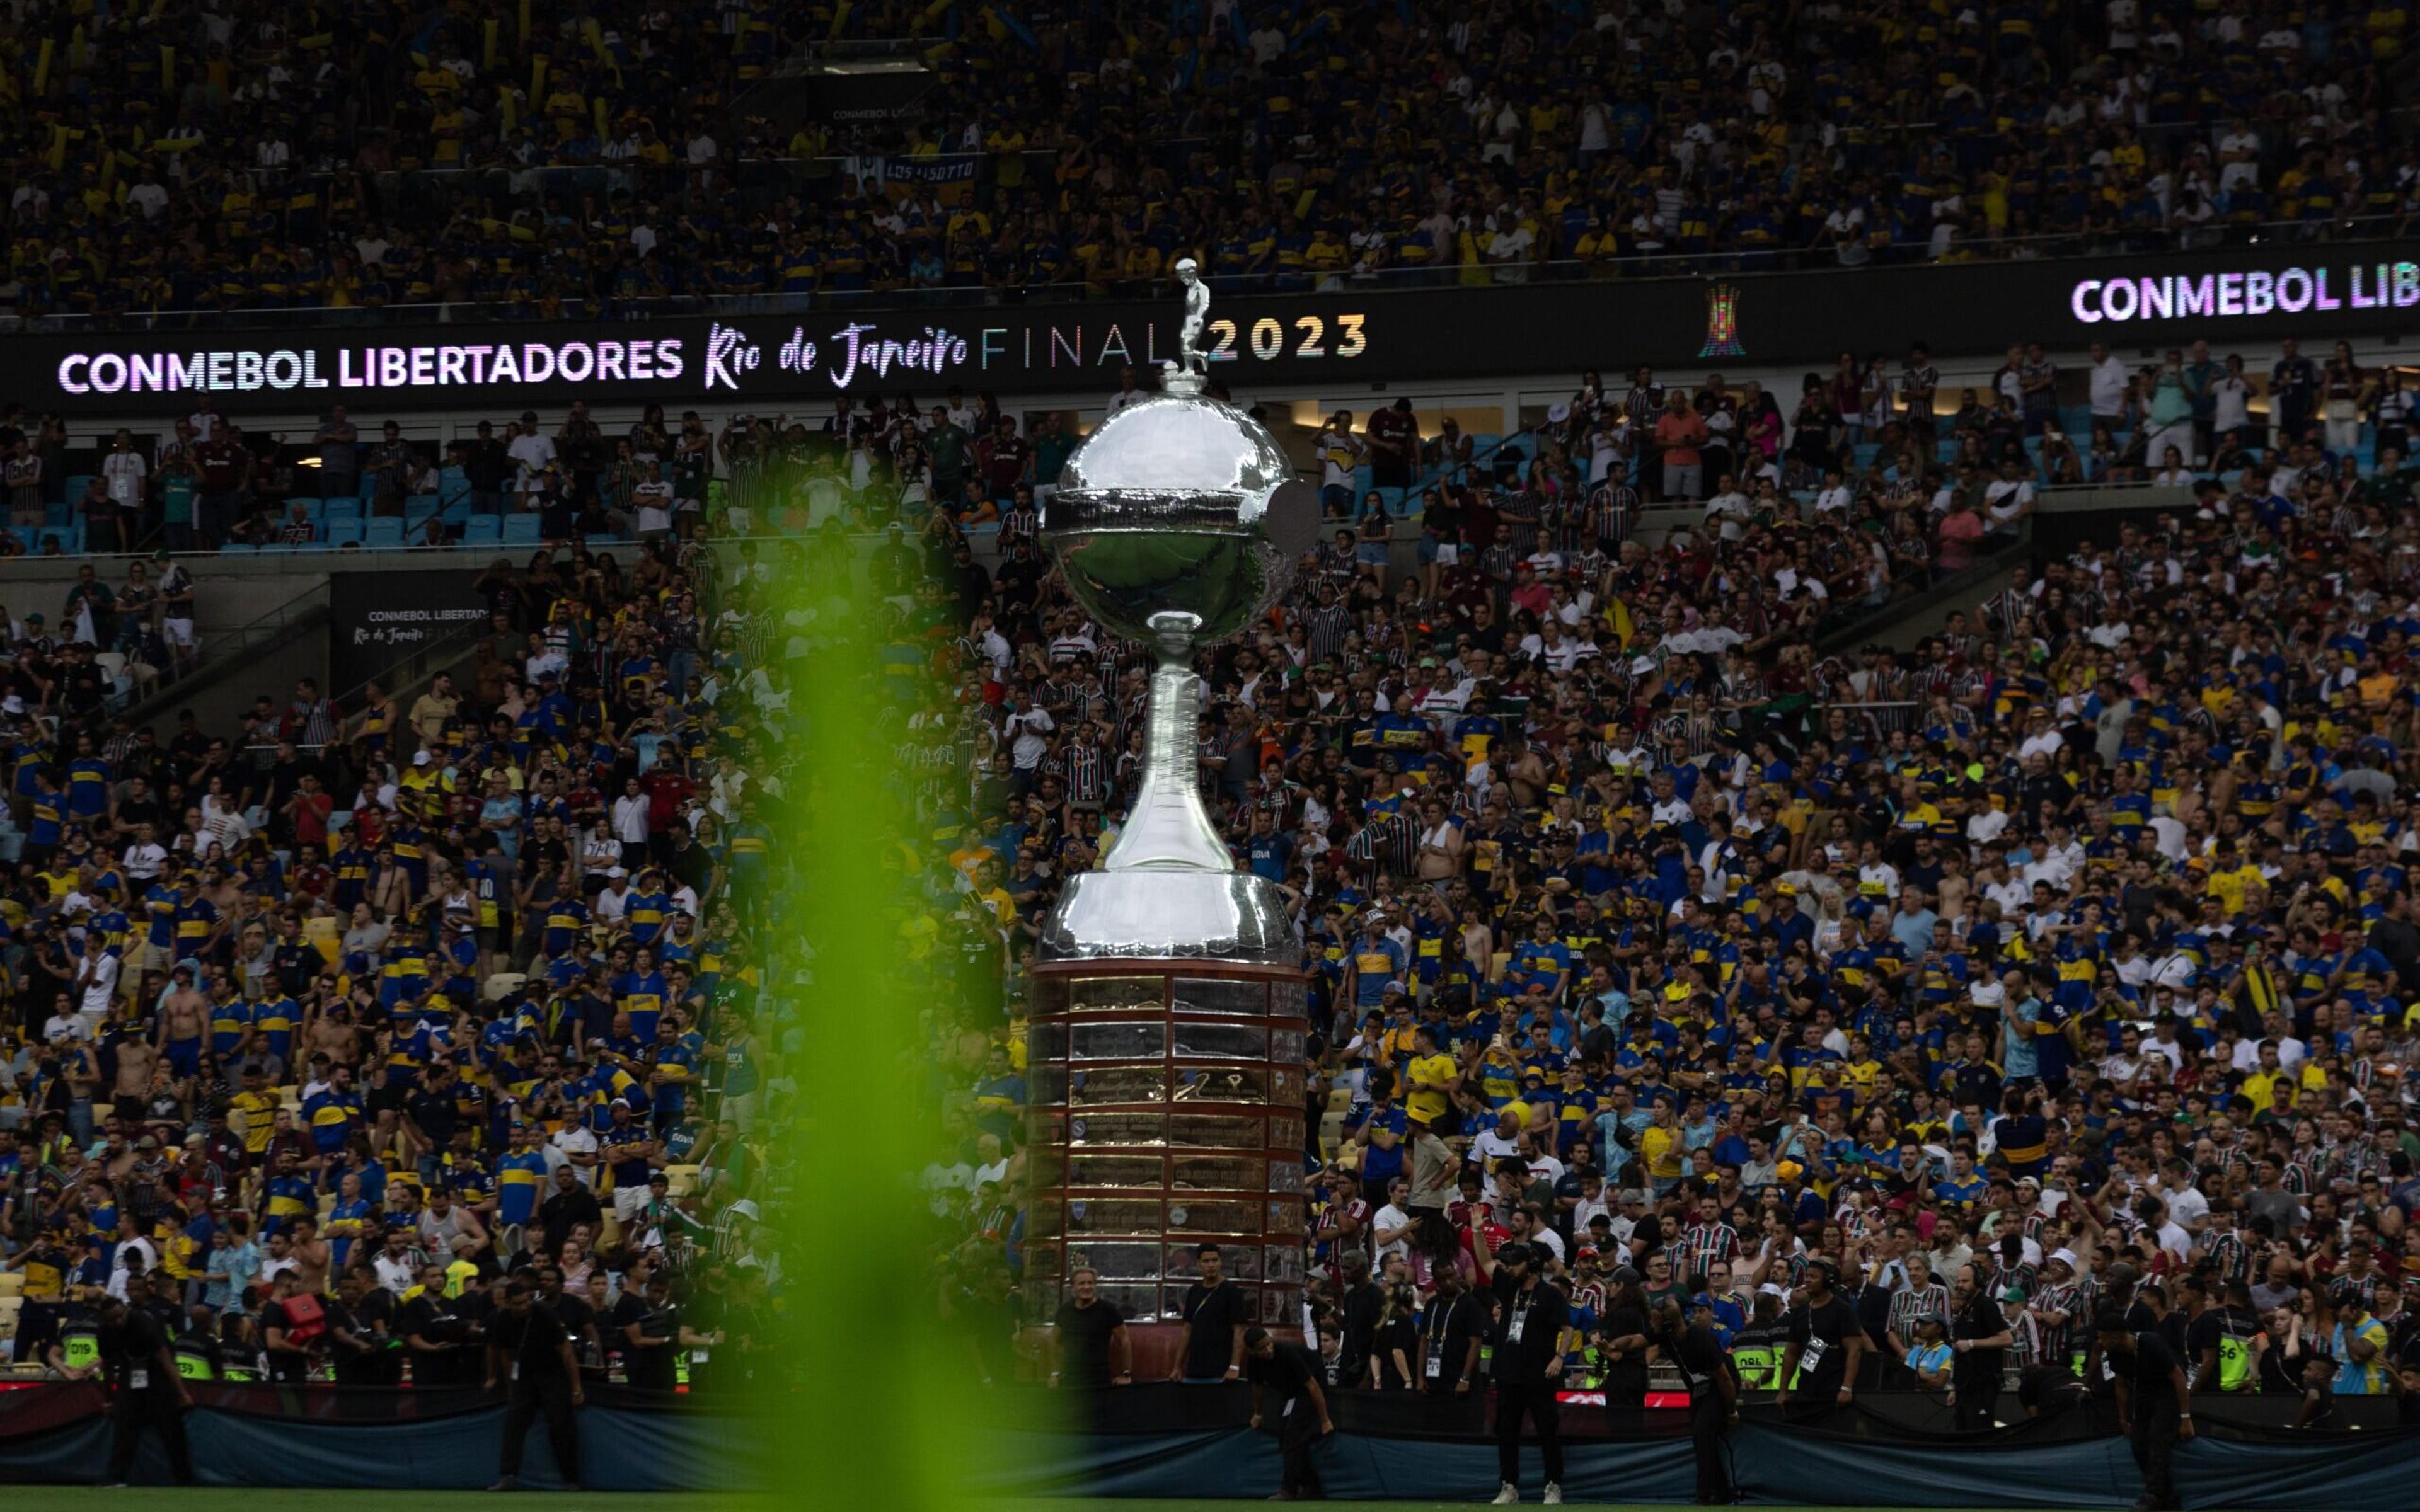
(667, 791)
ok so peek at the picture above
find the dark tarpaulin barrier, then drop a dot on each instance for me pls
(1387, 1449)
(373, 1438)
(1775, 1466)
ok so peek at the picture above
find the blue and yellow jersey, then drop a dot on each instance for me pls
(228, 1022)
(642, 996)
(87, 787)
(273, 1020)
(195, 921)
(645, 913)
(49, 818)
(405, 974)
(520, 1180)
(290, 1198)
(331, 1116)
(566, 920)
(159, 908)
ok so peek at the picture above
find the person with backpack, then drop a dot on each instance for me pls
(291, 1325)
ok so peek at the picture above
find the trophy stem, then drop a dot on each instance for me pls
(1168, 829)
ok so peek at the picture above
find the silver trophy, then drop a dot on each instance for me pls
(1178, 521)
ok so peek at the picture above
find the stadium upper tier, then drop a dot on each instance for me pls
(557, 161)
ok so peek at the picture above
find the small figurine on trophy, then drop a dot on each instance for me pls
(1192, 366)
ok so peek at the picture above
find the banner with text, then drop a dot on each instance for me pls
(376, 620)
(1261, 346)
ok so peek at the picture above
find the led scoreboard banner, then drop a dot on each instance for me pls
(1325, 346)
(1070, 347)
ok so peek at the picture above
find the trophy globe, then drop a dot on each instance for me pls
(1178, 521)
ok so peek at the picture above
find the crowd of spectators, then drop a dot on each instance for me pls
(239, 156)
(321, 1028)
(2065, 957)
(2070, 961)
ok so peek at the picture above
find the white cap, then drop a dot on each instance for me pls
(421, 758)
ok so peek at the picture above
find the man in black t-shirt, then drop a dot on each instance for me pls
(1091, 1347)
(1526, 1344)
(1625, 1328)
(1293, 1373)
(360, 1320)
(649, 1324)
(1827, 1345)
(144, 1389)
(581, 1323)
(528, 1348)
(1714, 1398)
(1980, 1340)
(1453, 1328)
(440, 1333)
(1211, 1347)
(2153, 1408)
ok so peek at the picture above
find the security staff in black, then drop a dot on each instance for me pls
(1451, 1331)
(1827, 1343)
(1980, 1340)
(1526, 1359)
(1714, 1398)
(530, 1352)
(145, 1390)
(2154, 1409)
(1293, 1375)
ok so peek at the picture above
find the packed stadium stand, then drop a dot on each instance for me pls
(1937, 816)
(562, 160)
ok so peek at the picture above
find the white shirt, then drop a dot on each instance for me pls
(143, 861)
(2109, 380)
(630, 818)
(125, 471)
(532, 452)
(100, 978)
(575, 1139)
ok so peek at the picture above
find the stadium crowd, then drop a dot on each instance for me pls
(579, 159)
(324, 1031)
(2061, 962)
(1895, 1015)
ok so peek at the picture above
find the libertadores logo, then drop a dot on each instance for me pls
(1722, 323)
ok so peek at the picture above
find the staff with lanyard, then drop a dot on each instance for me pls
(2154, 1404)
(1714, 1398)
(1451, 1331)
(1526, 1338)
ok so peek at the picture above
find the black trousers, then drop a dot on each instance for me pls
(2154, 1440)
(1537, 1403)
(1979, 1397)
(1298, 1432)
(526, 1402)
(155, 1407)
(1707, 1421)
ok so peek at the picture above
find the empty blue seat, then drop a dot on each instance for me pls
(520, 530)
(482, 529)
(235, 548)
(347, 508)
(279, 549)
(382, 532)
(341, 533)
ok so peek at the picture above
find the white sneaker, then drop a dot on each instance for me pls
(1509, 1496)
(1553, 1496)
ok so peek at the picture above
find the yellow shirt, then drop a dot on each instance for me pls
(1428, 1077)
(1661, 1147)
(259, 1110)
